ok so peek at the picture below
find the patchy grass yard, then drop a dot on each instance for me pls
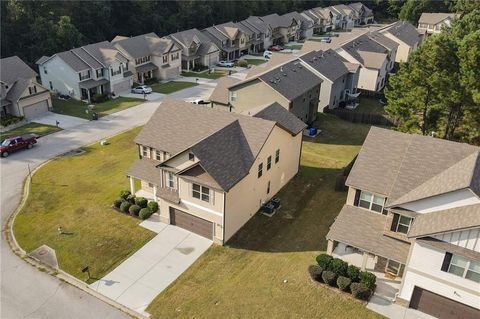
(256, 61)
(293, 46)
(246, 278)
(35, 128)
(370, 105)
(172, 86)
(212, 75)
(77, 108)
(79, 200)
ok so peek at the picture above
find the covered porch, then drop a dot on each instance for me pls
(189, 63)
(145, 72)
(90, 88)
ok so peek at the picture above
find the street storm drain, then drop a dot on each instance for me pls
(46, 255)
(74, 152)
(185, 250)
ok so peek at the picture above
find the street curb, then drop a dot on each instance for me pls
(58, 273)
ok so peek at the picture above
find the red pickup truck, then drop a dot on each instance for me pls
(16, 143)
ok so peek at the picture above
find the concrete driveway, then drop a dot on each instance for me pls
(154, 96)
(65, 121)
(140, 278)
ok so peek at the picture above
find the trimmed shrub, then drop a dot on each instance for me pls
(242, 63)
(368, 279)
(100, 98)
(343, 283)
(125, 206)
(124, 194)
(353, 272)
(360, 291)
(153, 206)
(142, 202)
(131, 198)
(117, 203)
(324, 260)
(338, 266)
(329, 277)
(145, 213)
(315, 272)
(134, 210)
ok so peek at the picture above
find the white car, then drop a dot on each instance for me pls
(225, 64)
(267, 54)
(142, 89)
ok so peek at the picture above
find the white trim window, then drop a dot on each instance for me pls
(170, 180)
(201, 192)
(145, 151)
(465, 268)
(158, 155)
(393, 267)
(260, 170)
(371, 202)
(233, 96)
(401, 224)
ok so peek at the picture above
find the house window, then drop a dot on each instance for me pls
(191, 157)
(463, 267)
(145, 151)
(260, 170)
(170, 180)
(32, 89)
(371, 202)
(51, 85)
(393, 267)
(233, 96)
(165, 58)
(277, 156)
(269, 162)
(268, 187)
(401, 224)
(99, 73)
(150, 185)
(201, 192)
(175, 56)
(158, 155)
(45, 71)
(84, 76)
(116, 72)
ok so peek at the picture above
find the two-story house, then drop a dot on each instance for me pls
(229, 38)
(413, 214)
(21, 94)
(290, 84)
(262, 33)
(362, 14)
(305, 24)
(84, 72)
(212, 179)
(285, 28)
(150, 56)
(317, 20)
(405, 35)
(433, 23)
(345, 16)
(197, 49)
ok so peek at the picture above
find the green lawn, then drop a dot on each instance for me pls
(171, 87)
(212, 75)
(256, 61)
(79, 200)
(293, 47)
(245, 279)
(77, 108)
(370, 105)
(35, 128)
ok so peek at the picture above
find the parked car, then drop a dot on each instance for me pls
(225, 64)
(267, 54)
(198, 101)
(326, 40)
(142, 89)
(275, 48)
(16, 143)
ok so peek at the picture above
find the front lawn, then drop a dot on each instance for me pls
(212, 75)
(76, 193)
(172, 86)
(246, 278)
(256, 61)
(293, 46)
(77, 108)
(35, 128)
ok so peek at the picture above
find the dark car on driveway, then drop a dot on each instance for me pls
(13, 144)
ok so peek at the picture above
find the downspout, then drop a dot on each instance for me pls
(224, 206)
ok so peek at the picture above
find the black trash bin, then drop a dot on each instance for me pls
(94, 116)
(268, 208)
(276, 202)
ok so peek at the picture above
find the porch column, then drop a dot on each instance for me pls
(364, 261)
(155, 192)
(330, 247)
(132, 185)
(88, 95)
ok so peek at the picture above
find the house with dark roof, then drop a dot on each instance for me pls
(231, 38)
(285, 28)
(219, 96)
(150, 57)
(211, 170)
(198, 51)
(412, 216)
(21, 94)
(261, 33)
(344, 16)
(405, 35)
(87, 71)
(433, 23)
(362, 14)
(305, 24)
(290, 84)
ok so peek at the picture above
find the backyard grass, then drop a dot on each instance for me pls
(77, 108)
(212, 75)
(256, 61)
(35, 128)
(172, 86)
(76, 193)
(370, 105)
(245, 279)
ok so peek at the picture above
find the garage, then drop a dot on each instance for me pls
(441, 307)
(191, 223)
(121, 86)
(36, 109)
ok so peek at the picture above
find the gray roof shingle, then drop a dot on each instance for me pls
(434, 18)
(405, 32)
(220, 93)
(328, 63)
(277, 113)
(13, 68)
(146, 44)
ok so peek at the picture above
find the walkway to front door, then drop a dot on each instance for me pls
(140, 278)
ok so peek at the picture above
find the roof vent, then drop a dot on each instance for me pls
(300, 66)
(284, 74)
(281, 69)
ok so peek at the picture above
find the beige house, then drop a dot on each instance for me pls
(412, 216)
(219, 97)
(230, 38)
(150, 56)
(291, 85)
(21, 95)
(210, 170)
(284, 28)
(406, 36)
(433, 23)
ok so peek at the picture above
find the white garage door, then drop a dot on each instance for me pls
(121, 86)
(36, 110)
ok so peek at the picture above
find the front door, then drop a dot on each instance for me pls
(84, 94)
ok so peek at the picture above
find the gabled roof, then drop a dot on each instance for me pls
(329, 63)
(277, 113)
(13, 68)
(229, 29)
(298, 17)
(214, 34)
(220, 93)
(146, 44)
(395, 164)
(435, 18)
(358, 6)
(366, 51)
(405, 32)
(383, 40)
(257, 23)
(275, 21)
(186, 38)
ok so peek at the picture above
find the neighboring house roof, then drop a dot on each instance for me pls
(405, 32)
(448, 220)
(275, 60)
(367, 51)
(257, 23)
(298, 17)
(358, 6)
(275, 21)
(13, 68)
(42, 59)
(363, 229)
(187, 37)
(220, 93)
(217, 36)
(396, 164)
(383, 40)
(329, 63)
(146, 44)
(17, 89)
(277, 113)
(435, 18)
(72, 61)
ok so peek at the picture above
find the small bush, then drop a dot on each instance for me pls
(324, 260)
(117, 203)
(242, 63)
(368, 279)
(152, 80)
(142, 202)
(153, 206)
(134, 210)
(343, 283)
(124, 194)
(329, 277)
(353, 272)
(360, 291)
(338, 266)
(145, 213)
(131, 198)
(125, 206)
(99, 98)
(315, 272)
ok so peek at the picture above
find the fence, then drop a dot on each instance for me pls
(360, 117)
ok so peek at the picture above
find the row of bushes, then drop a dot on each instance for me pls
(128, 203)
(100, 98)
(6, 120)
(348, 278)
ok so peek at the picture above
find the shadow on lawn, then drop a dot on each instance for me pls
(337, 131)
(309, 206)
